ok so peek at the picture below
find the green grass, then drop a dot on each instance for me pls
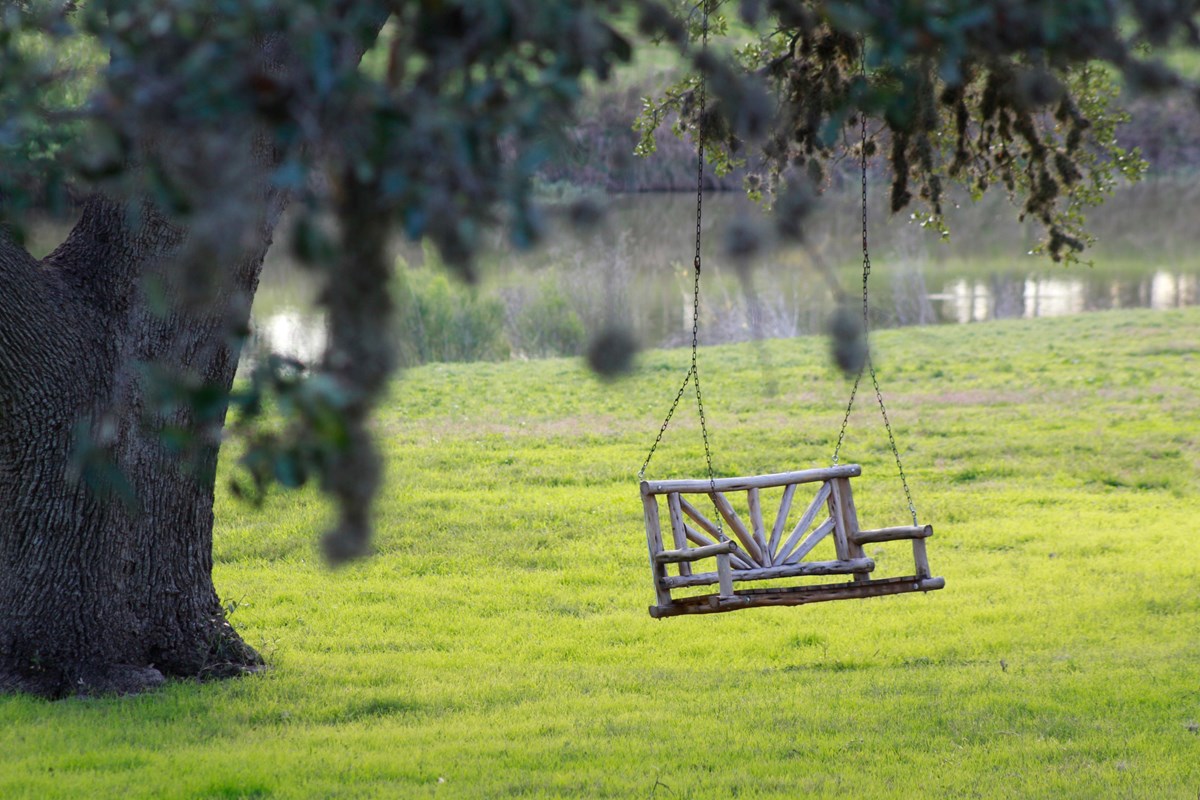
(498, 645)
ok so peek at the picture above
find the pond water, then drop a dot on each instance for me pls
(634, 269)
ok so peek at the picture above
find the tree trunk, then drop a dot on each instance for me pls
(105, 534)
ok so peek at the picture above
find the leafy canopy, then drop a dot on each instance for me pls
(216, 114)
(1017, 95)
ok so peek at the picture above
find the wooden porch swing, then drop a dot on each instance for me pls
(769, 556)
(787, 561)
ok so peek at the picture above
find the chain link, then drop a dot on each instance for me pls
(870, 364)
(666, 422)
(693, 373)
(837, 448)
(696, 283)
(912, 509)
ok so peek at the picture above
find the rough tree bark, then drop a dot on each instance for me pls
(98, 595)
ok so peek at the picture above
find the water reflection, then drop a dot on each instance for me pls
(290, 333)
(1176, 290)
(1014, 296)
(635, 270)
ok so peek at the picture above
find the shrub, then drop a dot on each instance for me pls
(548, 325)
(441, 320)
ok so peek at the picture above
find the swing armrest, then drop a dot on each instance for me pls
(695, 553)
(893, 534)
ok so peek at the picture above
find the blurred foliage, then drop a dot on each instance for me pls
(48, 72)
(217, 113)
(293, 425)
(1019, 95)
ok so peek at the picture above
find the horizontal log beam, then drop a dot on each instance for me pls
(805, 569)
(893, 534)
(695, 553)
(724, 576)
(795, 596)
(751, 482)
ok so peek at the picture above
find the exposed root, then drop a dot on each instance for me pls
(83, 680)
(220, 654)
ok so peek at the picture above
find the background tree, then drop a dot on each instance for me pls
(203, 120)
(1016, 95)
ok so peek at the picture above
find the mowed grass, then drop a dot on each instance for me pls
(498, 645)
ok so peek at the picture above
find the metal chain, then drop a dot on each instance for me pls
(870, 364)
(837, 449)
(712, 484)
(662, 430)
(912, 509)
(693, 373)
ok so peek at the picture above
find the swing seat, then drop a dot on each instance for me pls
(756, 554)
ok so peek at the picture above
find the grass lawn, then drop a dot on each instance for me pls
(499, 646)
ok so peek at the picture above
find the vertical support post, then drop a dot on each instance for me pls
(845, 518)
(841, 541)
(655, 544)
(724, 575)
(850, 523)
(920, 558)
(677, 530)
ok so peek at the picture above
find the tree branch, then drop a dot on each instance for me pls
(102, 258)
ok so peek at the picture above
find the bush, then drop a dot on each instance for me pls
(548, 325)
(441, 320)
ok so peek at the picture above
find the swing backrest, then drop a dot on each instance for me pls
(760, 548)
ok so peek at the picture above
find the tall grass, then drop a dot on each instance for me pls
(438, 319)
